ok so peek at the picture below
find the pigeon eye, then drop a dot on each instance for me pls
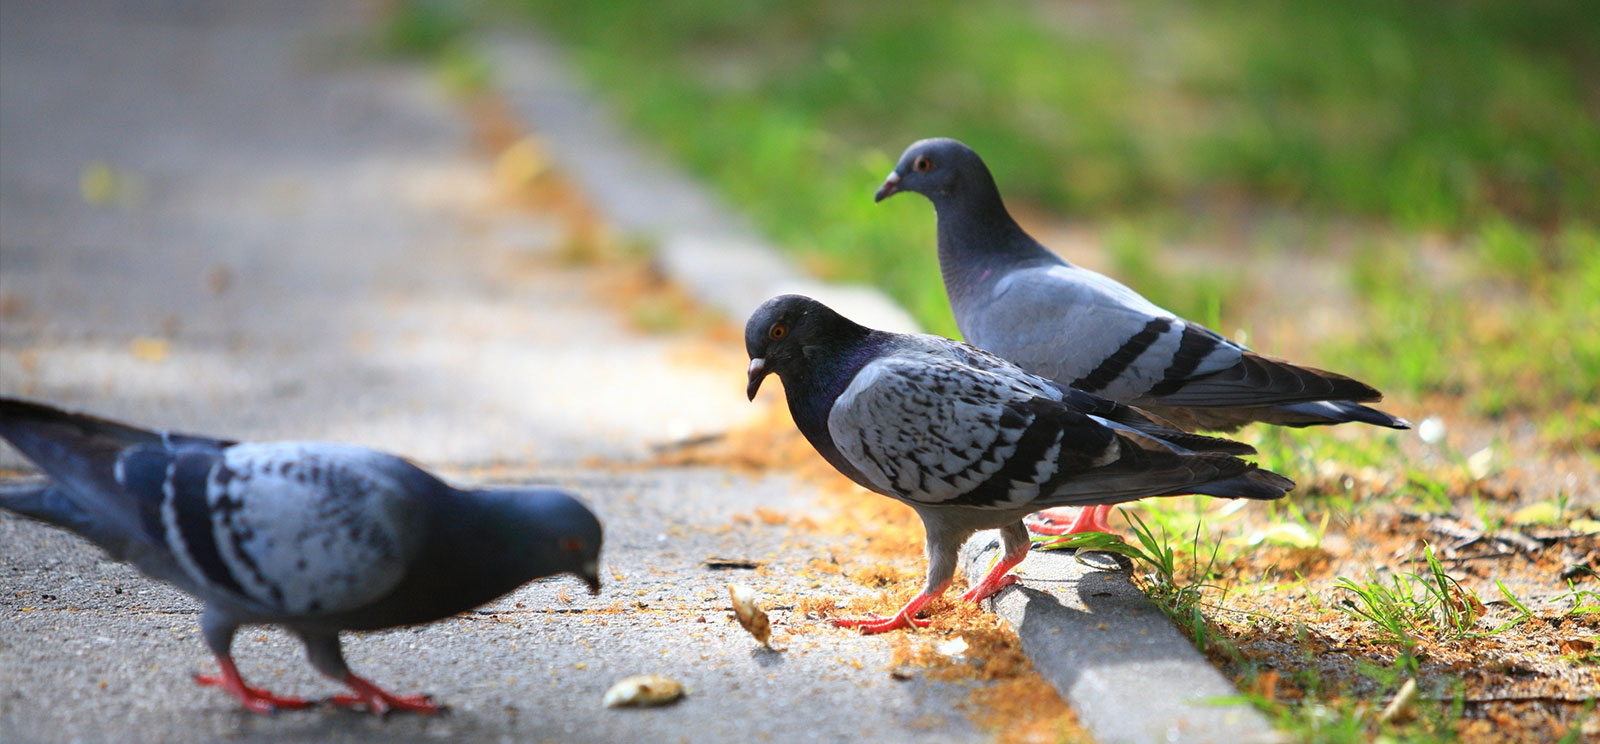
(777, 331)
(572, 545)
(922, 165)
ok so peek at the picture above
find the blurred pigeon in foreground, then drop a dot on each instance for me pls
(312, 536)
(1014, 297)
(969, 440)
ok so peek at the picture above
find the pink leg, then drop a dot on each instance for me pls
(998, 577)
(254, 699)
(905, 618)
(379, 702)
(1089, 519)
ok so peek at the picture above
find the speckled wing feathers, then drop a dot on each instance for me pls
(290, 527)
(924, 427)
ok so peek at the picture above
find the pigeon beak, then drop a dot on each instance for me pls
(890, 187)
(758, 372)
(590, 573)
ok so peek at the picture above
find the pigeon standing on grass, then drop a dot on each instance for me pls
(1014, 297)
(316, 537)
(971, 441)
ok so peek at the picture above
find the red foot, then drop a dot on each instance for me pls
(379, 702)
(905, 618)
(989, 586)
(1089, 519)
(254, 699)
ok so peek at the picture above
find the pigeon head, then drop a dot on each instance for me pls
(788, 333)
(553, 532)
(941, 169)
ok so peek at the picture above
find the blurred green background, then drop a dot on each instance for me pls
(1442, 156)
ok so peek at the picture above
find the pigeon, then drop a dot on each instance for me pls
(969, 440)
(1014, 297)
(313, 536)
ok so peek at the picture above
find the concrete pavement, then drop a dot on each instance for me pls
(228, 218)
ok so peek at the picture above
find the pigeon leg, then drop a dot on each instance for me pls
(905, 618)
(322, 650)
(379, 702)
(254, 699)
(1014, 537)
(218, 628)
(943, 540)
(1089, 519)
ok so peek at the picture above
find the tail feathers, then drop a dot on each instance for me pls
(45, 500)
(1263, 485)
(42, 499)
(1329, 412)
(1311, 413)
(1263, 381)
(1145, 422)
(49, 502)
(81, 453)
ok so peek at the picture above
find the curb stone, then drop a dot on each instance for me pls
(700, 244)
(1134, 647)
(1112, 654)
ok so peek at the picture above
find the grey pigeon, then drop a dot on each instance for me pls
(316, 537)
(971, 441)
(1017, 299)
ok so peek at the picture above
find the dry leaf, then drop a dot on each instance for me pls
(147, 349)
(750, 615)
(1399, 709)
(644, 690)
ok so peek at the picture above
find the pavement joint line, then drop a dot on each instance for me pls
(716, 256)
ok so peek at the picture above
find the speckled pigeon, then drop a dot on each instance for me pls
(1014, 297)
(315, 537)
(971, 441)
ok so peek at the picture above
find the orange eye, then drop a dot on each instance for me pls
(572, 545)
(777, 331)
(922, 165)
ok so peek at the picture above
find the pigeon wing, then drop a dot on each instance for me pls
(298, 528)
(927, 429)
(1089, 331)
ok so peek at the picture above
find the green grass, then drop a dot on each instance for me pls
(1327, 711)
(1517, 330)
(437, 31)
(1422, 113)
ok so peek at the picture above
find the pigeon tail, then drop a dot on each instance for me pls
(81, 453)
(1297, 415)
(41, 499)
(1258, 380)
(1263, 485)
(1330, 412)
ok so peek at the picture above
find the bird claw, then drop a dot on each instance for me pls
(378, 702)
(987, 589)
(879, 624)
(253, 699)
(1088, 519)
